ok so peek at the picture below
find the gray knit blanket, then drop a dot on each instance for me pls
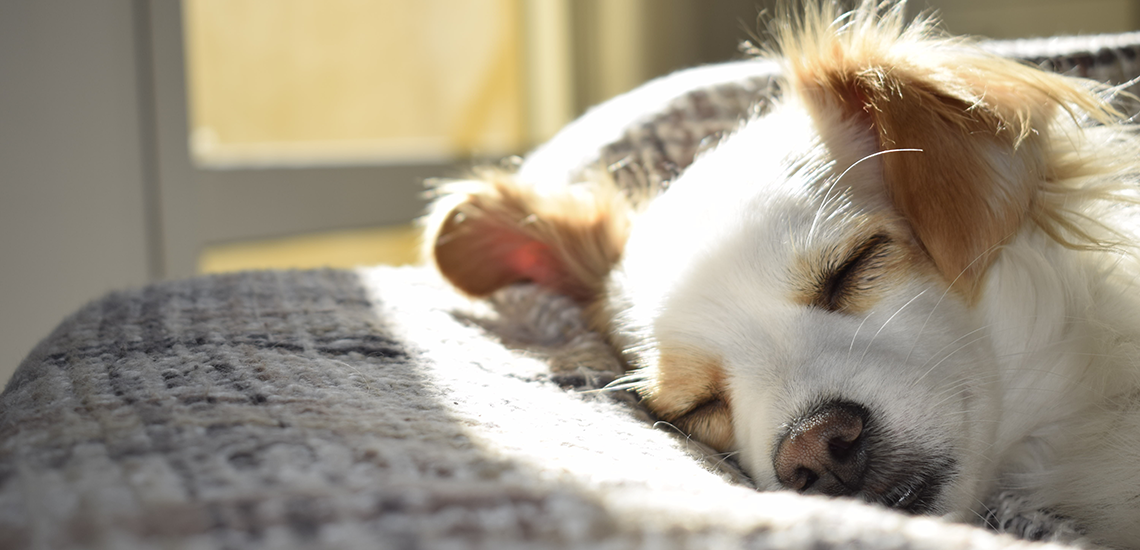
(377, 408)
(373, 409)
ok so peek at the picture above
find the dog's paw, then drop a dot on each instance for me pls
(1012, 514)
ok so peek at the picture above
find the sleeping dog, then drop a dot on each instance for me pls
(912, 281)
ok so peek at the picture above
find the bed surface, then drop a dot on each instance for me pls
(372, 409)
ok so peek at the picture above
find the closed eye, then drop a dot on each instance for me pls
(709, 422)
(838, 284)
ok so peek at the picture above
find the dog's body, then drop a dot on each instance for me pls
(911, 281)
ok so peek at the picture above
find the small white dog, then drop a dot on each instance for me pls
(911, 281)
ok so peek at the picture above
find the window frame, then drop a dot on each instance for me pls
(198, 206)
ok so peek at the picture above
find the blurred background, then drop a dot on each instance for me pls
(143, 140)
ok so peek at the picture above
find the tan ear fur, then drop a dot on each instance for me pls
(970, 189)
(981, 123)
(487, 233)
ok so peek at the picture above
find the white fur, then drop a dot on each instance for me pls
(1034, 389)
(706, 265)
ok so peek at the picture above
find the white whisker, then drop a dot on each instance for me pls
(827, 197)
(887, 322)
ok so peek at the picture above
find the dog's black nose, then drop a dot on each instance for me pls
(824, 451)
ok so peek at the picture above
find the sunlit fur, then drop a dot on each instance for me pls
(990, 324)
(566, 238)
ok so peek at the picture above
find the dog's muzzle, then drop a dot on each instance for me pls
(824, 452)
(832, 450)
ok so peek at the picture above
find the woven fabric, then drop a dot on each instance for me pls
(373, 409)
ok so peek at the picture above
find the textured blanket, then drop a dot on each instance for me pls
(378, 409)
(375, 409)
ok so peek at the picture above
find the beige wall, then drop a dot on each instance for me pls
(1028, 18)
(72, 220)
(353, 80)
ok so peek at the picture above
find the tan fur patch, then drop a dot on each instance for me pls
(689, 390)
(981, 122)
(493, 231)
(971, 188)
(852, 276)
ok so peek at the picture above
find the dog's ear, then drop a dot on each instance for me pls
(980, 124)
(493, 231)
(970, 185)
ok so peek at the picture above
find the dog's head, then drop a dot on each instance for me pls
(806, 292)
